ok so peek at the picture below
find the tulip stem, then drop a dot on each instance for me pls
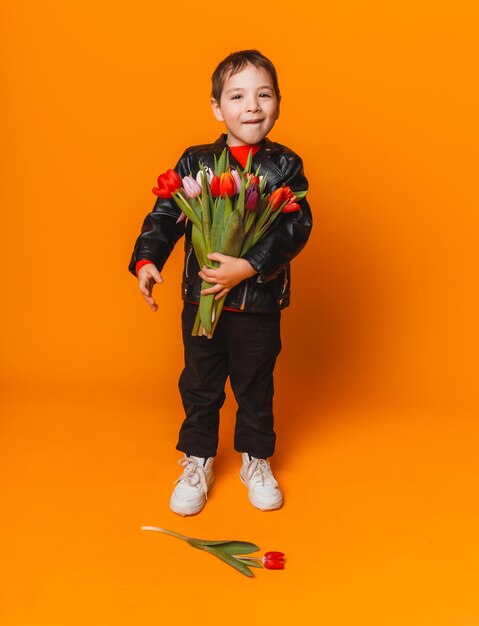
(166, 531)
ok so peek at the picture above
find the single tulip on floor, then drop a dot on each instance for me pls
(228, 551)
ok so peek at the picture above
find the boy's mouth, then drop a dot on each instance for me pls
(253, 122)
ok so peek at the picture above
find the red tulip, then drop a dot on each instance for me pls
(275, 198)
(291, 207)
(215, 186)
(253, 180)
(273, 560)
(168, 183)
(279, 196)
(227, 185)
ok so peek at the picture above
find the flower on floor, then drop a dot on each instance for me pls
(228, 551)
(273, 560)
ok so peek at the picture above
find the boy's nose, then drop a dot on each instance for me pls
(253, 106)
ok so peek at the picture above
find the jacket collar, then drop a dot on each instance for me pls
(262, 157)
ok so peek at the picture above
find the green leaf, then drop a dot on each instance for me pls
(228, 208)
(251, 563)
(250, 218)
(247, 167)
(233, 237)
(206, 306)
(218, 226)
(300, 194)
(199, 245)
(230, 560)
(220, 166)
(184, 206)
(248, 242)
(240, 201)
(219, 307)
(194, 332)
(263, 183)
(231, 547)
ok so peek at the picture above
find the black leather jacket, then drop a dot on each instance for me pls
(269, 289)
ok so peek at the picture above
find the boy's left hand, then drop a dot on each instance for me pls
(230, 272)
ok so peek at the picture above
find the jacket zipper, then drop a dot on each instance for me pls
(243, 301)
(188, 260)
(283, 290)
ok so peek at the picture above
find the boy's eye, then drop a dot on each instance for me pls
(240, 96)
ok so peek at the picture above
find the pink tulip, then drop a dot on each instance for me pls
(191, 187)
(237, 179)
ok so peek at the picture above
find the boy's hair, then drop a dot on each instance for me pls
(234, 63)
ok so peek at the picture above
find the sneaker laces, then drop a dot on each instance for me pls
(193, 474)
(260, 470)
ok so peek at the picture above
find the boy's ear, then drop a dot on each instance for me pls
(216, 110)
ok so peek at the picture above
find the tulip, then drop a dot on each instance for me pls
(168, 183)
(191, 187)
(276, 198)
(215, 186)
(227, 185)
(209, 175)
(253, 180)
(291, 207)
(279, 196)
(237, 179)
(251, 198)
(273, 560)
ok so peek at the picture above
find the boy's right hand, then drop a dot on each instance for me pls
(148, 276)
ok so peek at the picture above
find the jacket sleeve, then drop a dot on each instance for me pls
(160, 230)
(288, 235)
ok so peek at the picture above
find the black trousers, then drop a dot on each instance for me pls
(245, 347)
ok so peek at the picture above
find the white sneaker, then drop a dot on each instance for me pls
(263, 489)
(191, 491)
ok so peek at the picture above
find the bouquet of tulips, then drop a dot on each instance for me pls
(229, 212)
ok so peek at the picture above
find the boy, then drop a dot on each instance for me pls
(245, 345)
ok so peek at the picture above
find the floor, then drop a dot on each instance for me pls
(379, 525)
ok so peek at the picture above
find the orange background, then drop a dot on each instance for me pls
(376, 386)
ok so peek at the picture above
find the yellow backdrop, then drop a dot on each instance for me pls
(380, 342)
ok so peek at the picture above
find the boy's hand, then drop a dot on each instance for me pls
(148, 276)
(230, 272)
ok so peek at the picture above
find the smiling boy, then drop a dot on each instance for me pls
(246, 98)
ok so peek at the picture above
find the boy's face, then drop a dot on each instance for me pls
(248, 106)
